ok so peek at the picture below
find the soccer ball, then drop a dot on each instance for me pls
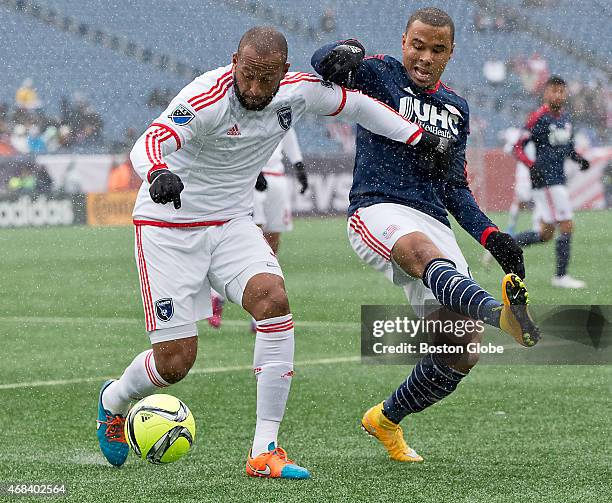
(160, 428)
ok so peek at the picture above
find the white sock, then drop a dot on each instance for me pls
(140, 379)
(273, 367)
(513, 213)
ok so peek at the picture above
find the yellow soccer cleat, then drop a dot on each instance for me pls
(389, 434)
(515, 318)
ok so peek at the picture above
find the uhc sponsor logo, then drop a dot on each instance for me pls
(430, 117)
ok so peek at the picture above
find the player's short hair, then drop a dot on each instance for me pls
(265, 40)
(433, 17)
(555, 80)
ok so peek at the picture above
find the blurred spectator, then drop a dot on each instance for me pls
(30, 179)
(159, 98)
(36, 143)
(71, 182)
(127, 142)
(328, 21)
(24, 182)
(122, 177)
(26, 96)
(494, 71)
(533, 72)
(19, 139)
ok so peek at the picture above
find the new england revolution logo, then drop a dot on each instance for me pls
(164, 308)
(181, 116)
(284, 117)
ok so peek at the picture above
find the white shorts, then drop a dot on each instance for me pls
(374, 230)
(179, 265)
(273, 205)
(552, 204)
(522, 183)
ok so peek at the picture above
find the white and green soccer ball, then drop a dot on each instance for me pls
(160, 428)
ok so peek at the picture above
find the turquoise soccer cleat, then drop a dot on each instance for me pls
(110, 433)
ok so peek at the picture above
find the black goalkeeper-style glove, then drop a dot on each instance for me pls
(584, 164)
(439, 152)
(300, 174)
(261, 184)
(166, 187)
(576, 157)
(341, 64)
(508, 254)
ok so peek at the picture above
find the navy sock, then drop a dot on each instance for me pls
(429, 382)
(528, 238)
(563, 253)
(460, 293)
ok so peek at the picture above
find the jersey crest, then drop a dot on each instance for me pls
(181, 116)
(164, 308)
(284, 117)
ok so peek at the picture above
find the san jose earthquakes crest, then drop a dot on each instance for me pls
(181, 116)
(284, 117)
(164, 308)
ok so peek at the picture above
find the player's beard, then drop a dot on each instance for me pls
(254, 108)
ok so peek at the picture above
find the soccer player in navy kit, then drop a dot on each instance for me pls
(550, 129)
(398, 212)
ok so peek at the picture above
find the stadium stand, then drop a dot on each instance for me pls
(117, 78)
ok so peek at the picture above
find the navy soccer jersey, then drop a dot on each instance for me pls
(388, 172)
(554, 141)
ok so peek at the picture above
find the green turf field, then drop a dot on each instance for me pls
(71, 316)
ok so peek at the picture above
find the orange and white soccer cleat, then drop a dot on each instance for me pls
(389, 434)
(274, 465)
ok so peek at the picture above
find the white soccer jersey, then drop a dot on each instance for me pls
(218, 147)
(289, 147)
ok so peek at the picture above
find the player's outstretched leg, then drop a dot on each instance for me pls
(464, 296)
(266, 300)
(431, 380)
(217, 308)
(168, 362)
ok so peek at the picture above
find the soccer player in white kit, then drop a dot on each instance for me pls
(203, 154)
(273, 200)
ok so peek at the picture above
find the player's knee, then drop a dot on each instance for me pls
(566, 227)
(413, 252)
(173, 361)
(547, 233)
(273, 303)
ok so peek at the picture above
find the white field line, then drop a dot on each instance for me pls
(210, 370)
(133, 321)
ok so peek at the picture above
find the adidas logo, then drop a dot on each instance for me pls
(233, 131)
(145, 417)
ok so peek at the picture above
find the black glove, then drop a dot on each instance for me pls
(261, 184)
(439, 152)
(166, 187)
(341, 64)
(300, 174)
(584, 164)
(508, 254)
